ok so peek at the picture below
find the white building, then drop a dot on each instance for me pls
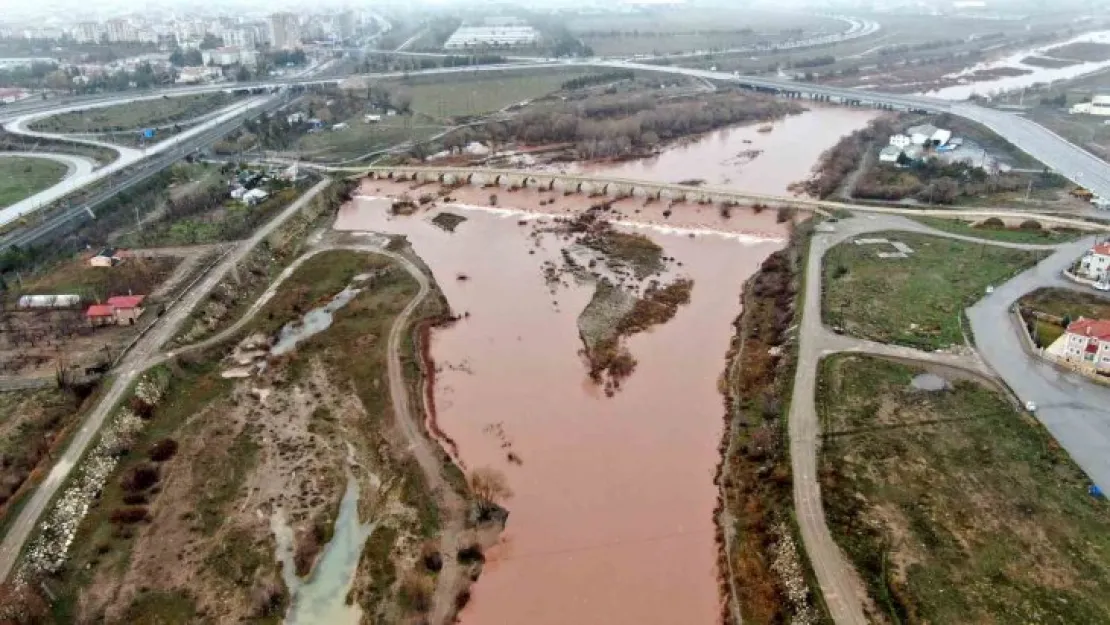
(1095, 264)
(1099, 105)
(941, 136)
(243, 38)
(87, 32)
(254, 196)
(119, 30)
(900, 141)
(228, 56)
(890, 154)
(193, 75)
(285, 32)
(920, 134)
(491, 36)
(1085, 344)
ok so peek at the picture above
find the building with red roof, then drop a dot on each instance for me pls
(1086, 344)
(101, 314)
(122, 310)
(1095, 264)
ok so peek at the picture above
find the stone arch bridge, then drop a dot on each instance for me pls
(593, 186)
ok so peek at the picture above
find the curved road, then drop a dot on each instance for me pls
(843, 590)
(127, 156)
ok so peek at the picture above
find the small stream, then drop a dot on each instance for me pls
(322, 598)
(314, 322)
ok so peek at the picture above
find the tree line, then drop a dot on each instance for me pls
(610, 127)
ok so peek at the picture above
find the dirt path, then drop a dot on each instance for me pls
(133, 364)
(844, 592)
(451, 577)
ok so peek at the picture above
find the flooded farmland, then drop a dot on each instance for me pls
(612, 514)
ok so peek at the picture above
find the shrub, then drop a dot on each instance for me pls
(416, 593)
(130, 515)
(471, 554)
(993, 222)
(163, 450)
(1030, 224)
(140, 478)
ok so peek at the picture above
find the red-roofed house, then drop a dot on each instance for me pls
(101, 314)
(1086, 344)
(122, 310)
(128, 308)
(1095, 264)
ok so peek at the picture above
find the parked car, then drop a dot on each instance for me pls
(1031, 406)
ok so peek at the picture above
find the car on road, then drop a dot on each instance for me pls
(1031, 406)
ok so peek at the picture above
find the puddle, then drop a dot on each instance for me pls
(930, 382)
(322, 598)
(315, 321)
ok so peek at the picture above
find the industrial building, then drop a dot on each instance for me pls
(1099, 105)
(491, 37)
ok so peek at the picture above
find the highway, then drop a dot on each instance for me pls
(127, 156)
(134, 175)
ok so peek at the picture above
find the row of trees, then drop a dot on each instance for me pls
(613, 127)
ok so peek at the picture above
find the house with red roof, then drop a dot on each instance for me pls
(101, 315)
(1085, 345)
(121, 310)
(1095, 264)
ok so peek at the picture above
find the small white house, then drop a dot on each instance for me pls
(921, 134)
(941, 136)
(1095, 264)
(340, 126)
(371, 118)
(890, 154)
(254, 196)
(900, 141)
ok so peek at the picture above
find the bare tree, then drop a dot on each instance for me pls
(490, 488)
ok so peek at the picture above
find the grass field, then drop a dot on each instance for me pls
(954, 507)
(135, 115)
(1081, 51)
(1068, 303)
(360, 138)
(918, 300)
(662, 31)
(140, 275)
(21, 177)
(481, 94)
(1009, 235)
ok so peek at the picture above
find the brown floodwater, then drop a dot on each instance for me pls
(611, 521)
(721, 158)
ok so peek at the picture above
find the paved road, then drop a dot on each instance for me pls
(129, 369)
(1075, 410)
(843, 590)
(127, 156)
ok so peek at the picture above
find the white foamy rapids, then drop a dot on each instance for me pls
(745, 238)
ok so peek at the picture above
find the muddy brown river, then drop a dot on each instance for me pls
(612, 517)
(724, 158)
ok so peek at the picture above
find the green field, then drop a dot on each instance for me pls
(22, 177)
(1009, 235)
(916, 301)
(1068, 303)
(662, 31)
(475, 96)
(953, 506)
(135, 115)
(361, 138)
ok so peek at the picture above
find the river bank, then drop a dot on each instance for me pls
(595, 532)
